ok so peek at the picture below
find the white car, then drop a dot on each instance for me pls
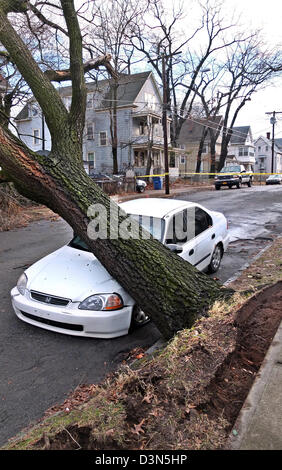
(70, 292)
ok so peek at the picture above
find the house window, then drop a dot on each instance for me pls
(90, 131)
(91, 157)
(243, 151)
(182, 159)
(150, 100)
(89, 165)
(34, 111)
(266, 148)
(172, 160)
(89, 102)
(205, 149)
(36, 137)
(142, 128)
(139, 159)
(103, 138)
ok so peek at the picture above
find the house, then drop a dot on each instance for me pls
(139, 124)
(189, 140)
(241, 147)
(263, 155)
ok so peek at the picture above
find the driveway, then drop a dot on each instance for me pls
(39, 368)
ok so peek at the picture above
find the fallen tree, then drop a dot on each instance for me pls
(165, 286)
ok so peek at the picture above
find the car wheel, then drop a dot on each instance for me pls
(239, 184)
(215, 259)
(250, 183)
(138, 318)
(217, 188)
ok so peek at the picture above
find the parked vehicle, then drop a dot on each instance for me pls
(233, 175)
(140, 186)
(274, 179)
(69, 291)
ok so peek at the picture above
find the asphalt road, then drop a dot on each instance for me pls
(39, 368)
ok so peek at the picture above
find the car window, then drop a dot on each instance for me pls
(181, 227)
(202, 221)
(231, 168)
(154, 225)
(79, 244)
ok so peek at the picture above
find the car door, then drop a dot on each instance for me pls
(204, 238)
(180, 232)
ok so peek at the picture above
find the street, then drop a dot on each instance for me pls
(39, 368)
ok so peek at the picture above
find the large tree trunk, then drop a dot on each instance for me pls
(168, 288)
(165, 286)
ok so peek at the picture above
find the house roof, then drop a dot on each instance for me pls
(191, 130)
(278, 142)
(127, 92)
(128, 89)
(240, 134)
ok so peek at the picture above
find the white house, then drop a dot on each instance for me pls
(139, 124)
(241, 147)
(263, 154)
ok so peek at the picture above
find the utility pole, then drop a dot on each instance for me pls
(165, 123)
(273, 122)
(164, 119)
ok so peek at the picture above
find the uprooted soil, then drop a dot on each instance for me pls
(187, 396)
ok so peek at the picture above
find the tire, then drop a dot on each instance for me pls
(217, 187)
(140, 189)
(250, 183)
(215, 259)
(138, 318)
(239, 184)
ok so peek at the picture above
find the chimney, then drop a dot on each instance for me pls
(268, 135)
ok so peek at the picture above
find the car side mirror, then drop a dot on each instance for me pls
(174, 248)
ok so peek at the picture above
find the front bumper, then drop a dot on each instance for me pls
(70, 320)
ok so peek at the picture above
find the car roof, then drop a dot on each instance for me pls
(154, 207)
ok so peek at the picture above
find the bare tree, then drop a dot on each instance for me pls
(185, 60)
(163, 284)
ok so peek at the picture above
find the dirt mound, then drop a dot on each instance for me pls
(186, 397)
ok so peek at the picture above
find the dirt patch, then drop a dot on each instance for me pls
(186, 397)
(257, 323)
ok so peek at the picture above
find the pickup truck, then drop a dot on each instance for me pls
(233, 175)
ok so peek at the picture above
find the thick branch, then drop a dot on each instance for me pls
(44, 92)
(64, 75)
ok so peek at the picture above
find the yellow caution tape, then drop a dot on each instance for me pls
(210, 174)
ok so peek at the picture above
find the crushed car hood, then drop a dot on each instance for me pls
(70, 273)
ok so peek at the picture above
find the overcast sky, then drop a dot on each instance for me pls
(265, 15)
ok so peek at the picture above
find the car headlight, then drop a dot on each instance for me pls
(21, 284)
(102, 302)
(216, 177)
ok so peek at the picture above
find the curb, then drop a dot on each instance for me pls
(250, 406)
(246, 265)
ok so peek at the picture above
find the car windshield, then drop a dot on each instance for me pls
(154, 225)
(231, 168)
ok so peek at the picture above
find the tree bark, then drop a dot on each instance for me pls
(165, 286)
(168, 288)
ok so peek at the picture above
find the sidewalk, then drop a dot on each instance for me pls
(174, 191)
(259, 424)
